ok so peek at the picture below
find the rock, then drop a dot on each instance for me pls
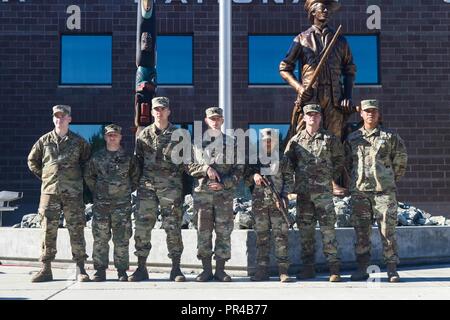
(189, 214)
(438, 220)
(32, 220)
(343, 209)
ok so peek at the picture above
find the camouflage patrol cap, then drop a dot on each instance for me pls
(62, 108)
(160, 102)
(312, 108)
(214, 111)
(113, 128)
(369, 104)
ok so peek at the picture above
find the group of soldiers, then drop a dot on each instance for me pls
(374, 158)
(315, 162)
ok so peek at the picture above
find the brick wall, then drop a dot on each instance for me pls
(415, 68)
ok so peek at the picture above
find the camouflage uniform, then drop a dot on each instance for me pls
(160, 185)
(375, 160)
(267, 215)
(215, 208)
(111, 176)
(317, 160)
(59, 163)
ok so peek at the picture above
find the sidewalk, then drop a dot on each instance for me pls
(431, 282)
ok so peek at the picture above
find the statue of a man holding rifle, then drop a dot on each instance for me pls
(327, 71)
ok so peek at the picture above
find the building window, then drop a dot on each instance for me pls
(283, 129)
(265, 53)
(175, 60)
(86, 60)
(365, 56)
(186, 126)
(91, 132)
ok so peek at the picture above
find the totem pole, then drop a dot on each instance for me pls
(145, 62)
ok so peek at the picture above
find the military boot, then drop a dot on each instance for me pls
(176, 274)
(283, 272)
(122, 275)
(335, 274)
(141, 273)
(361, 273)
(206, 274)
(82, 274)
(261, 274)
(99, 275)
(45, 274)
(393, 276)
(308, 272)
(220, 271)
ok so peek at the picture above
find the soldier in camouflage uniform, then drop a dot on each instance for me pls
(265, 210)
(317, 157)
(376, 159)
(213, 196)
(58, 159)
(160, 185)
(111, 175)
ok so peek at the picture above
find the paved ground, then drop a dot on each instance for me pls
(431, 282)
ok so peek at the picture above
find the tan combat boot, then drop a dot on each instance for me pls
(206, 274)
(393, 276)
(220, 271)
(261, 274)
(176, 274)
(82, 274)
(308, 272)
(361, 273)
(122, 275)
(141, 273)
(335, 274)
(45, 274)
(283, 272)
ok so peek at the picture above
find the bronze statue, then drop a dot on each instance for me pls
(308, 49)
(332, 89)
(146, 63)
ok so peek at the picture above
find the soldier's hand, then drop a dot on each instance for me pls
(259, 180)
(304, 94)
(283, 204)
(347, 105)
(212, 174)
(215, 186)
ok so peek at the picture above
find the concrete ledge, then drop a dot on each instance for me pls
(417, 245)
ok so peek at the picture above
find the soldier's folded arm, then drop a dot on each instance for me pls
(134, 173)
(400, 157)
(348, 165)
(90, 175)
(35, 159)
(338, 157)
(85, 154)
(139, 155)
(197, 168)
(288, 172)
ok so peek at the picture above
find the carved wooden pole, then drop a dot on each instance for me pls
(146, 83)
